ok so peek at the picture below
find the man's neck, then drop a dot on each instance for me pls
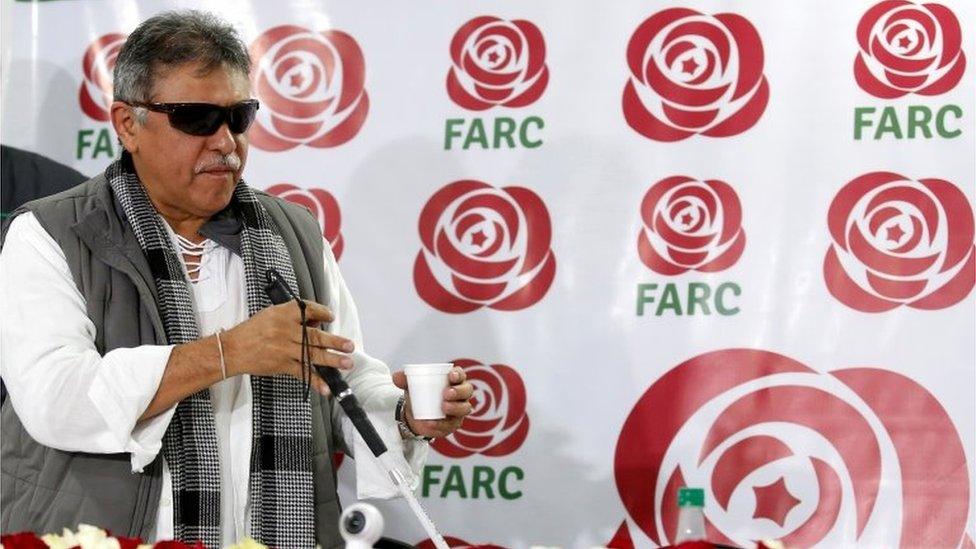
(185, 225)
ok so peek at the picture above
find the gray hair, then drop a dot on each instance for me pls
(171, 39)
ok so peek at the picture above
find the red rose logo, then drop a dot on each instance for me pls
(908, 48)
(23, 540)
(497, 62)
(786, 452)
(900, 242)
(693, 73)
(311, 88)
(455, 543)
(95, 94)
(322, 205)
(498, 425)
(690, 225)
(484, 247)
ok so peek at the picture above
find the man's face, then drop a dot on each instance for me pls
(189, 175)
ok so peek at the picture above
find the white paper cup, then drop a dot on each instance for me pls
(426, 383)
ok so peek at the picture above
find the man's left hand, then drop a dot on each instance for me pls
(455, 405)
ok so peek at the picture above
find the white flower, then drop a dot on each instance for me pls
(87, 537)
(248, 543)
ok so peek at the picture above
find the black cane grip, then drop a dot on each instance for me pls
(278, 292)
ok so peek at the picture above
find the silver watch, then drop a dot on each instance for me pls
(401, 418)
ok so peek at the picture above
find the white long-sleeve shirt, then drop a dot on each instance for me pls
(70, 397)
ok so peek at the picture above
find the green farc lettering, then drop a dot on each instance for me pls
(698, 298)
(94, 144)
(914, 122)
(478, 482)
(498, 133)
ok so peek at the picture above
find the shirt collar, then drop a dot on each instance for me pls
(224, 228)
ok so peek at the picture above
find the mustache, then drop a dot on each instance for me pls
(223, 162)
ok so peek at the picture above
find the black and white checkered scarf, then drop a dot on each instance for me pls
(281, 491)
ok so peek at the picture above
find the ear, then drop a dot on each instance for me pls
(126, 125)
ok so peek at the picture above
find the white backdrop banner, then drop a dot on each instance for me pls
(709, 243)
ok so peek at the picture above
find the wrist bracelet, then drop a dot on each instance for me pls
(220, 349)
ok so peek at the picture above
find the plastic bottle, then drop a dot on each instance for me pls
(691, 518)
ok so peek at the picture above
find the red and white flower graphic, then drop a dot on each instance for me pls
(311, 88)
(690, 225)
(693, 73)
(900, 242)
(784, 451)
(497, 62)
(455, 543)
(498, 423)
(908, 48)
(484, 247)
(95, 94)
(323, 206)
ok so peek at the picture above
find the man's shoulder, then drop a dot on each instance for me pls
(296, 213)
(86, 191)
(66, 207)
(300, 220)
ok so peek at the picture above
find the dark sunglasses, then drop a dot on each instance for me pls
(205, 118)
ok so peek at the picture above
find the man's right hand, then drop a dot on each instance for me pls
(270, 342)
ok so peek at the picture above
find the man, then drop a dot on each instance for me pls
(132, 408)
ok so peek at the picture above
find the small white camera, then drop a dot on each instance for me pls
(361, 525)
